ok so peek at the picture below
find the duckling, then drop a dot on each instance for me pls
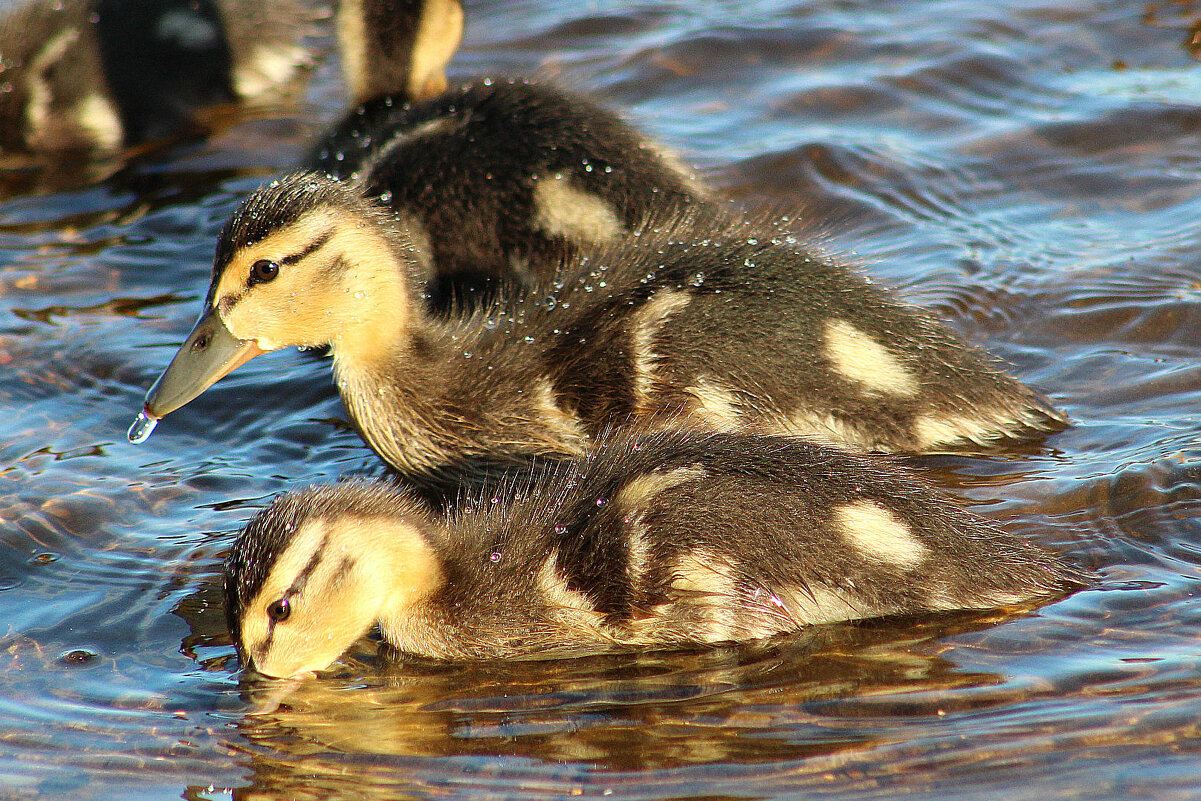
(94, 76)
(703, 322)
(503, 176)
(662, 541)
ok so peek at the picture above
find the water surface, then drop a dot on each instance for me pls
(1030, 169)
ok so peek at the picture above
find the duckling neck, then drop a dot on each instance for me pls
(430, 401)
(391, 390)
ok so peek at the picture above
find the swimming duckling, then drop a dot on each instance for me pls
(663, 541)
(94, 76)
(504, 176)
(704, 322)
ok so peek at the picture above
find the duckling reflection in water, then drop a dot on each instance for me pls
(662, 541)
(94, 76)
(499, 177)
(703, 322)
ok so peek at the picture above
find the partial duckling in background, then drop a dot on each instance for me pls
(666, 541)
(94, 76)
(704, 322)
(500, 177)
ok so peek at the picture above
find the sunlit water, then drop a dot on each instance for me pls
(1031, 170)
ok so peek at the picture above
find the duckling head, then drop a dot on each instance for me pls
(305, 261)
(397, 46)
(312, 573)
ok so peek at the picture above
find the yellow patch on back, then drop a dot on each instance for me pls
(716, 406)
(557, 594)
(824, 428)
(566, 426)
(932, 431)
(267, 68)
(640, 492)
(638, 552)
(569, 607)
(563, 209)
(818, 603)
(879, 535)
(96, 115)
(645, 326)
(673, 162)
(39, 106)
(707, 583)
(858, 357)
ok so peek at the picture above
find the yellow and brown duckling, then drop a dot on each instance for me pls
(663, 541)
(704, 323)
(95, 76)
(501, 176)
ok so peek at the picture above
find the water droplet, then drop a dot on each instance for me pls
(494, 556)
(698, 279)
(560, 529)
(142, 428)
(601, 501)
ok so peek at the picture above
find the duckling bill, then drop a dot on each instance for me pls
(702, 322)
(654, 542)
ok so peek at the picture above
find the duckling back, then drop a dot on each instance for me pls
(659, 541)
(506, 179)
(678, 539)
(738, 326)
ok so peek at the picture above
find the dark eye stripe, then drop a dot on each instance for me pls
(314, 560)
(296, 587)
(312, 248)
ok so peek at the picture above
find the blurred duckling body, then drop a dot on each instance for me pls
(664, 541)
(503, 176)
(702, 323)
(94, 76)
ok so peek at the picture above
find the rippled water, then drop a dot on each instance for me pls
(1031, 169)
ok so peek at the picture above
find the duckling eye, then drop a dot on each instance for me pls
(263, 271)
(280, 610)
